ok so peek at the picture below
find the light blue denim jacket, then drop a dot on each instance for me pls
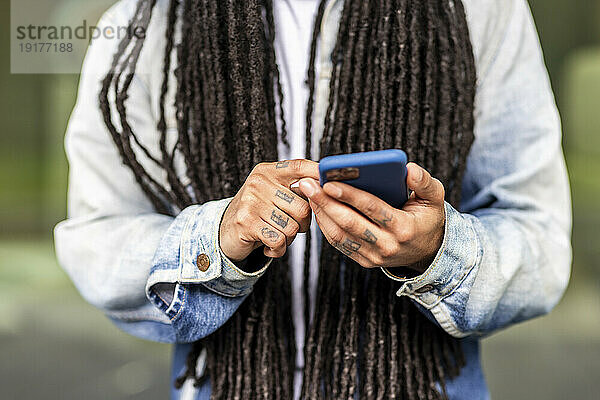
(505, 256)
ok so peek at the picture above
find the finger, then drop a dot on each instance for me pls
(321, 203)
(274, 240)
(288, 239)
(318, 198)
(346, 244)
(280, 220)
(371, 206)
(423, 184)
(293, 205)
(295, 187)
(350, 220)
(289, 171)
(274, 253)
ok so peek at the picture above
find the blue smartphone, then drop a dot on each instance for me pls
(381, 173)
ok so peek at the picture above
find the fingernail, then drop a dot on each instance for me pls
(335, 191)
(419, 174)
(295, 185)
(308, 188)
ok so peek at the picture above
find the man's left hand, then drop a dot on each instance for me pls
(374, 234)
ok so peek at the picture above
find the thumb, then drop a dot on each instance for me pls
(423, 184)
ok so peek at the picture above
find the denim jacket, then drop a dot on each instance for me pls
(506, 252)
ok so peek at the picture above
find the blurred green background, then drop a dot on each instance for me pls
(55, 346)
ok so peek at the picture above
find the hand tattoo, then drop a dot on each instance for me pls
(270, 234)
(282, 164)
(348, 247)
(369, 237)
(279, 219)
(284, 196)
(386, 218)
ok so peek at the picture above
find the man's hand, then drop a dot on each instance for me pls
(266, 212)
(373, 233)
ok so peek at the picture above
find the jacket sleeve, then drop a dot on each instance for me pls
(138, 266)
(506, 256)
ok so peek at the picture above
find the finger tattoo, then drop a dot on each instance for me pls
(284, 196)
(270, 234)
(348, 247)
(342, 250)
(386, 218)
(282, 164)
(369, 237)
(279, 219)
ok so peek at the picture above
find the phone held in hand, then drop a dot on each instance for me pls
(381, 173)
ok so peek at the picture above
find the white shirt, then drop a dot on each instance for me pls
(294, 22)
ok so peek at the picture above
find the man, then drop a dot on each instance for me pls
(180, 212)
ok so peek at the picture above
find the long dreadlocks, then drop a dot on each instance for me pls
(403, 77)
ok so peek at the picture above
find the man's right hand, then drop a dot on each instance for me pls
(266, 212)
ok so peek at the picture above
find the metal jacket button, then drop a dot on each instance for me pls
(203, 262)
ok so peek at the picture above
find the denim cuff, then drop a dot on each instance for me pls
(189, 254)
(457, 256)
(234, 281)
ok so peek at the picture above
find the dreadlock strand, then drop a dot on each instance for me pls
(429, 363)
(241, 81)
(417, 356)
(229, 356)
(394, 390)
(439, 367)
(262, 371)
(194, 118)
(338, 353)
(440, 141)
(397, 92)
(128, 67)
(228, 164)
(249, 343)
(273, 75)
(357, 90)
(311, 77)
(376, 123)
(218, 382)
(306, 282)
(312, 347)
(368, 391)
(326, 338)
(256, 69)
(431, 91)
(192, 78)
(415, 81)
(120, 97)
(282, 382)
(336, 58)
(350, 371)
(237, 391)
(383, 345)
(159, 203)
(340, 128)
(319, 353)
(167, 158)
(370, 97)
(468, 86)
(404, 335)
(458, 95)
